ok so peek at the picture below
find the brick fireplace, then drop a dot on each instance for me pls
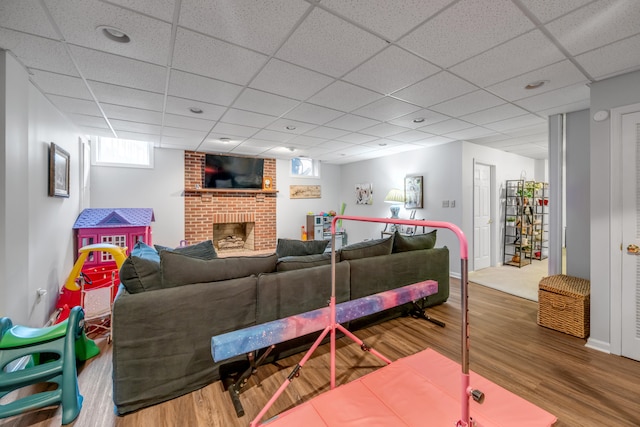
(227, 210)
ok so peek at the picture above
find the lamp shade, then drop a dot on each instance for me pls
(395, 196)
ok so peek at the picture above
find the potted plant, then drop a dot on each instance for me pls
(511, 221)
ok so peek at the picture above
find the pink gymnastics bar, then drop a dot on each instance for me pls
(465, 388)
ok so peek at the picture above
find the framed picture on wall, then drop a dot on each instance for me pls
(59, 166)
(413, 192)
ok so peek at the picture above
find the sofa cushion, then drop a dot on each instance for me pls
(368, 248)
(298, 262)
(412, 243)
(202, 250)
(139, 274)
(292, 247)
(178, 269)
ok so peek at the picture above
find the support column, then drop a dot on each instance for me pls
(556, 162)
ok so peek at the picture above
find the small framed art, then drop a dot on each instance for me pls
(59, 166)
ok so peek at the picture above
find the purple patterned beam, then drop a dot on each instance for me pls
(261, 336)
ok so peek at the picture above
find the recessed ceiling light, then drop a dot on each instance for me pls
(290, 127)
(382, 144)
(292, 149)
(225, 140)
(195, 110)
(114, 34)
(418, 120)
(536, 84)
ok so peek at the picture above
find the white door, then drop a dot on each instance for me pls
(481, 216)
(630, 309)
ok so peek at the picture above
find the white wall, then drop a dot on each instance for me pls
(36, 249)
(605, 95)
(292, 212)
(578, 262)
(160, 188)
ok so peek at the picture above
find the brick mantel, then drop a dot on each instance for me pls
(204, 208)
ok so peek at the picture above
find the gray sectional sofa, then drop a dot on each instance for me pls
(171, 304)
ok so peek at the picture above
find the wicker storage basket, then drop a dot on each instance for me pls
(563, 304)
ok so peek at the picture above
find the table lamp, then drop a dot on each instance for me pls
(396, 198)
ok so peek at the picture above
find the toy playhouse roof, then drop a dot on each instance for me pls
(124, 217)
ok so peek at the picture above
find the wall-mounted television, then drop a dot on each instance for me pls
(232, 172)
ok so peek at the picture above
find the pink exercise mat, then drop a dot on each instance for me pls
(416, 391)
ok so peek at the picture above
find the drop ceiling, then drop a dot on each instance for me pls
(335, 80)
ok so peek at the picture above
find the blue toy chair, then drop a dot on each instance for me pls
(52, 351)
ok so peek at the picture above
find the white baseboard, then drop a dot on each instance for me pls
(602, 346)
(455, 275)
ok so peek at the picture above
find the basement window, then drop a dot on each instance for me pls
(122, 152)
(305, 167)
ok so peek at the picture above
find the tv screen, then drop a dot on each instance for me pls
(232, 172)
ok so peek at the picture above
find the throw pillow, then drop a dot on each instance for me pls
(178, 269)
(412, 243)
(305, 261)
(367, 249)
(142, 250)
(292, 247)
(202, 250)
(139, 274)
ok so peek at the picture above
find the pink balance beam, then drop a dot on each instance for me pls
(260, 336)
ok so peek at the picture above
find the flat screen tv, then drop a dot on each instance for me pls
(232, 172)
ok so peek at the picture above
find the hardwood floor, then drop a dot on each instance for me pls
(582, 387)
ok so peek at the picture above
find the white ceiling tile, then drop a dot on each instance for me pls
(389, 19)
(204, 89)
(386, 108)
(179, 143)
(37, 52)
(352, 123)
(132, 114)
(180, 121)
(356, 138)
(305, 141)
(228, 130)
(613, 59)
(184, 133)
(533, 51)
(181, 107)
(120, 95)
(410, 136)
(310, 113)
(556, 98)
(467, 28)
(376, 74)
(335, 145)
(161, 10)
(265, 103)
(247, 118)
(149, 37)
(209, 57)
(515, 122)
(494, 114)
(127, 126)
(383, 130)
(447, 126)
(299, 127)
(596, 25)
(344, 97)
(271, 135)
(26, 16)
(528, 129)
(258, 143)
(326, 132)
(108, 68)
(555, 76)
(75, 105)
(471, 133)
(435, 89)
(84, 120)
(96, 131)
(322, 36)
(289, 80)
(434, 140)
(430, 117)
(60, 84)
(136, 136)
(231, 20)
(546, 10)
(468, 103)
(566, 108)
(214, 145)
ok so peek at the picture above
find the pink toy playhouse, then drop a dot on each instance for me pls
(121, 227)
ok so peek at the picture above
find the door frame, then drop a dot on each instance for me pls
(492, 213)
(615, 228)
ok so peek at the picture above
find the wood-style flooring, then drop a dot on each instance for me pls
(582, 387)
